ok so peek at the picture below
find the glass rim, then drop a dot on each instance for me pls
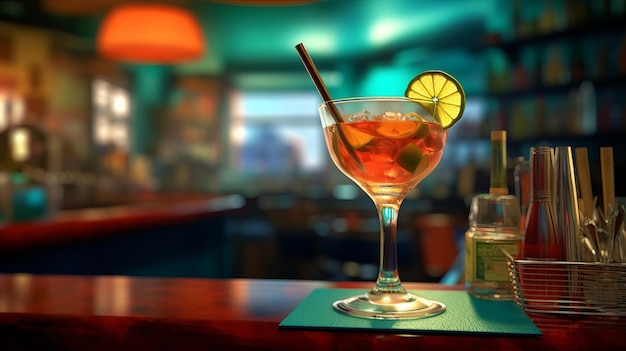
(368, 99)
(379, 100)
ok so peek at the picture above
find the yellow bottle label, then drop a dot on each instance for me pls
(490, 264)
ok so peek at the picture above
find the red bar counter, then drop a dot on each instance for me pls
(51, 312)
(166, 235)
(69, 226)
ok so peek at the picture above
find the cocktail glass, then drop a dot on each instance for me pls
(386, 145)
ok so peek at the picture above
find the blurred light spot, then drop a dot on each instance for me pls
(351, 269)
(4, 119)
(368, 271)
(339, 225)
(319, 43)
(384, 31)
(18, 108)
(346, 192)
(19, 144)
(120, 103)
(100, 92)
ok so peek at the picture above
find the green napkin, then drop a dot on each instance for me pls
(464, 315)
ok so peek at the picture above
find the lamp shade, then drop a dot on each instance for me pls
(150, 33)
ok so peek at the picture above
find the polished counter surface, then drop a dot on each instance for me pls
(165, 235)
(80, 224)
(130, 313)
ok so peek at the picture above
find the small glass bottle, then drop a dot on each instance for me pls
(494, 221)
(541, 239)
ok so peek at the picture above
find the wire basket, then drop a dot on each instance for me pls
(561, 287)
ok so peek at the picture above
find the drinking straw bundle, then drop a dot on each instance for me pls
(595, 285)
(602, 231)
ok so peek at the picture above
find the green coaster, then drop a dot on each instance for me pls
(464, 315)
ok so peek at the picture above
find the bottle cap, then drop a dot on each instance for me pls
(498, 135)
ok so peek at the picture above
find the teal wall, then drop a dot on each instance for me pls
(148, 93)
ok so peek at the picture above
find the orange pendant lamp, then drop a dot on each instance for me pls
(150, 33)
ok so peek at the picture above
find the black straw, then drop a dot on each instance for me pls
(323, 91)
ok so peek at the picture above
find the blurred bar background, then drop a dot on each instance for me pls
(80, 131)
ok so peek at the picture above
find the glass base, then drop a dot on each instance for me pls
(389, 305)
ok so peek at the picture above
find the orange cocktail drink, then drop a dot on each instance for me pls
(391, 153)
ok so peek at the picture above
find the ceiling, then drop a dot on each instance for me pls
(255, 37)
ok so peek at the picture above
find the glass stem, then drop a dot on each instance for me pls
(388, 277)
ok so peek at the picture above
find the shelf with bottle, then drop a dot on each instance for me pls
(583, 112)
(564, 78)
(595, 27)
(557, 67)
(555, 46)
(537, 21)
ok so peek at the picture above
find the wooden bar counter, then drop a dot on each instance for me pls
(61, 312)
(165, 235)
(89, 223)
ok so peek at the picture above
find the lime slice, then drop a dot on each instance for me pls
(355, 137)
(440, 94)
(398, 129)
(412, 159)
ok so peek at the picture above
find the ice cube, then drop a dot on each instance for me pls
(360, 116)
(412, 116)
(391, 172)
(391, 116)
(382, 150)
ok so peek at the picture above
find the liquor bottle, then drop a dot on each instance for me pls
(553, 68)
(541, 240)
(494, 221)
(521, 174)
(498, 179)
(578, 71)
(547, 19)
(602, 58)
